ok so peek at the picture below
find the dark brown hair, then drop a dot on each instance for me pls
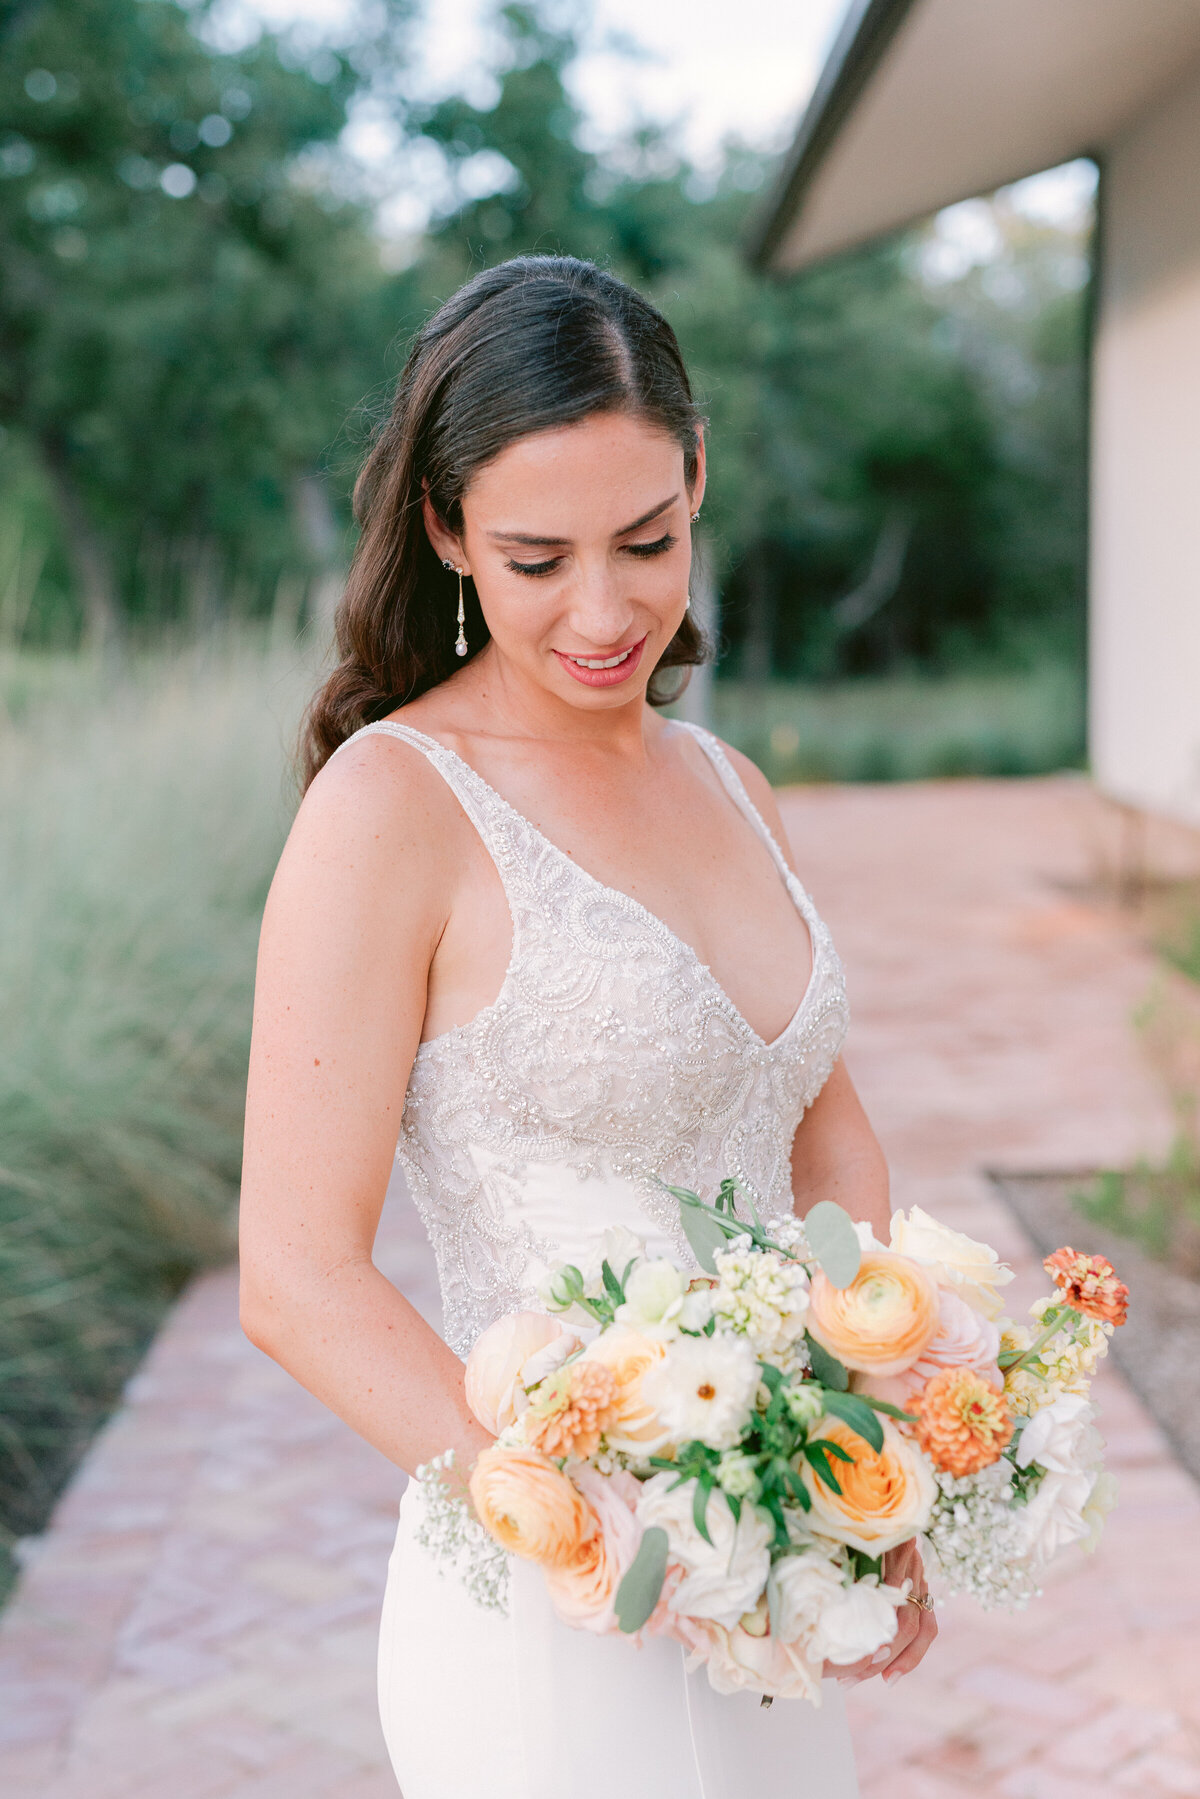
(536, 343)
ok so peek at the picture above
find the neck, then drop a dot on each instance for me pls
(515, 706)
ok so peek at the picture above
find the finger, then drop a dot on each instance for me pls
(908, 1624)
(911, 1655)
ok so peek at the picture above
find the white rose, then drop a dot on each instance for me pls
(973, 1269)
(806, 1585)
(856, 1622)
(1056, 1515)
(722, 1579)
(654, 1297)
(704, 1388)
(1060, 1437)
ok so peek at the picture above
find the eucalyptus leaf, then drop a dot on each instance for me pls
(704, 1233)
(858, 1415)
(638, 1592)
(832, 1239)
(826, 1368)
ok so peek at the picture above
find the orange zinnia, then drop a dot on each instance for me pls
(1089, 1284)
(573, 1410)
(963, 1422)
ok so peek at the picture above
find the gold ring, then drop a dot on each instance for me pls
(922, 1600)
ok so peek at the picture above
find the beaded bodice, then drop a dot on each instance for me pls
(611, 1060)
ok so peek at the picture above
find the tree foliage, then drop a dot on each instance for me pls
(896, 462)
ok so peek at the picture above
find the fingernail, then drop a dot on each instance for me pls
(891, 1678)
(880, 1655)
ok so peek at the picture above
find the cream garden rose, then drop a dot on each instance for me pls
(955, 1260)
(631, 1354)
(722, 1579)
(886, 1497)
(856, 1622)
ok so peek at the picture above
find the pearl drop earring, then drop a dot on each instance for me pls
(460, 642)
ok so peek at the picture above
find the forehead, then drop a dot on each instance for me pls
(599, 473)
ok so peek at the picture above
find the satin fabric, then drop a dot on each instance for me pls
(479, 1706)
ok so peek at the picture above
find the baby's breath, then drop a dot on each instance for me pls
(457, 1540)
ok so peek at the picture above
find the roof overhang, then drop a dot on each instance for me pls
(925, 102)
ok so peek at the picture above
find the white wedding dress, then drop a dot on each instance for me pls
(610, 1056)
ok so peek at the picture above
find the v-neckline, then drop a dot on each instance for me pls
(792, 886)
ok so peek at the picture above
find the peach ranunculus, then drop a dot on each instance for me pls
(513, 1353)
(1089, 1284)
(963, 1423)
(636, 1428)
(886, 1495)
(882, 1321)
(529, 1506)
(570, 1412)
(963, 1339)
(583, 1590)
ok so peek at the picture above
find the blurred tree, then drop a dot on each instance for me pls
(896, 470)
(187, 306)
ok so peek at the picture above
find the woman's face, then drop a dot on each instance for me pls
(579, 544)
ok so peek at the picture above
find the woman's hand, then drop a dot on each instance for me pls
(916, 1628)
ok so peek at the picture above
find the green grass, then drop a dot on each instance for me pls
(906, 728)
(142, 810)
(1156, 1207)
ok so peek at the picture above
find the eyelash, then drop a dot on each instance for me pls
(658, 548)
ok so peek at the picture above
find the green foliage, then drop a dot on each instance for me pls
(187, 306)
(141, 815)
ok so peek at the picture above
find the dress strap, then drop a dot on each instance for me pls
(732, 783)
(490, 815)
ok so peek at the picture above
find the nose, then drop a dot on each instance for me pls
(601, 613)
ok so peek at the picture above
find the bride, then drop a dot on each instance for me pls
(552, 943)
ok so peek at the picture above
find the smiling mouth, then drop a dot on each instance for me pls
(590, 662)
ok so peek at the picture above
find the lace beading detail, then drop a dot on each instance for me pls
(610, 1048)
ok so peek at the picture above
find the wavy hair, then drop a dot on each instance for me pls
(533, 344)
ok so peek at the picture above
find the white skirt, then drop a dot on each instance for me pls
(479, 1706)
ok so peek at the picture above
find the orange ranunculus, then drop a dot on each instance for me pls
(1089, 1284)
(636, 1429)
(963, 1422)
(886, 1496)
(882, 1321)
(570, 1411)
(529, 1506)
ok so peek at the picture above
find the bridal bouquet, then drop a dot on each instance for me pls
(725, 1457)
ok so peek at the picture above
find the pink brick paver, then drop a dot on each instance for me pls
(199, 1621)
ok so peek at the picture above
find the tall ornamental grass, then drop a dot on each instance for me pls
(142, 809)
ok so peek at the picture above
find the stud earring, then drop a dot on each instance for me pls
(695, 517)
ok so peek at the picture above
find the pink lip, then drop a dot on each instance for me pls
(604, 677)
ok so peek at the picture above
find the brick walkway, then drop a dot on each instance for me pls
(199, 1621)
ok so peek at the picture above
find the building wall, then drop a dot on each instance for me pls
(1145, 576)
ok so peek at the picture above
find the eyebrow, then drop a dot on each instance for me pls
(544, 542)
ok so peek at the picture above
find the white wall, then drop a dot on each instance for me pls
(1145, 578)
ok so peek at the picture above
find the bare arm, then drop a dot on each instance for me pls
(353, 918)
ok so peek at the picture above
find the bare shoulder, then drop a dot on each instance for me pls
(378, 817)
(762, 794)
